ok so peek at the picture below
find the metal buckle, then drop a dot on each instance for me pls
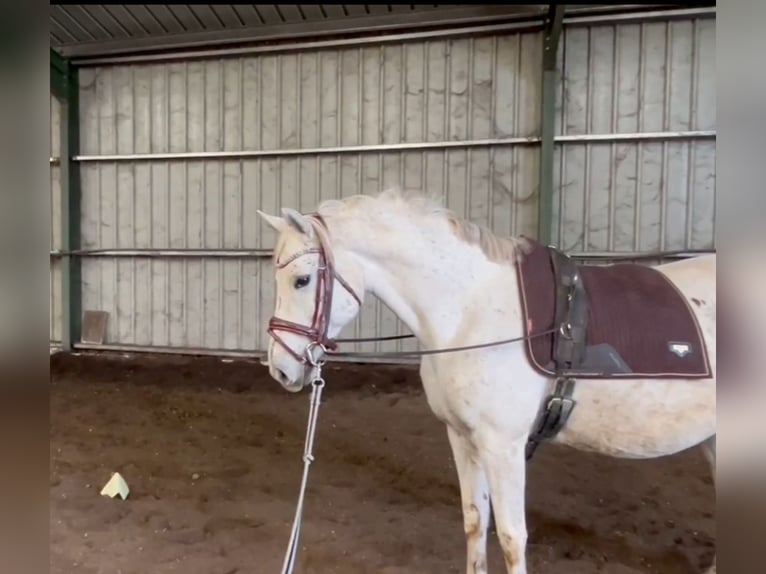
(311, 359)
(318, 381)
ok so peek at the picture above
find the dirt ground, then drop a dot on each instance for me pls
(212, 453)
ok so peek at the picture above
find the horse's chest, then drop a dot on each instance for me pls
(449, 400)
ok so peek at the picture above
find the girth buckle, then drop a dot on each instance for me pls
(558, 407)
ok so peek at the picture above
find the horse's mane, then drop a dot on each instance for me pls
(495, 248)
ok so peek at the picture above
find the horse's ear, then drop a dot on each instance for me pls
(298, 221)
(276, 222)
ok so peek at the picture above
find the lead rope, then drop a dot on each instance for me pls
(308, 457)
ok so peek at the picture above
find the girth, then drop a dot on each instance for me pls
(571, 322)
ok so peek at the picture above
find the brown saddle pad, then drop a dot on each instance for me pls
(633, 308)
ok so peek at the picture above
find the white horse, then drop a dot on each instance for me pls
(453, 284)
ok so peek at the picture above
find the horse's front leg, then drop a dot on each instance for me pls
(474, 493)
(506, 466)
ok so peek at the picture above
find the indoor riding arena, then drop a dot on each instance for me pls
(591, 128)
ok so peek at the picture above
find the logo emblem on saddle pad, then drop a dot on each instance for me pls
(680, 349)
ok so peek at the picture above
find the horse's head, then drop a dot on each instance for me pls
(318, 292)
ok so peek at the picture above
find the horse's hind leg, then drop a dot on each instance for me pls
(708, 448)
(474, 494)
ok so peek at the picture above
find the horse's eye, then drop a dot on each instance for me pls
(302, 281)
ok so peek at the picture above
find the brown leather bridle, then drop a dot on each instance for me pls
(317, 332)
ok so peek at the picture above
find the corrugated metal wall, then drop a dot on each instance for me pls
(460, 90)
(637, 196)
(301, 112)
(55, 241)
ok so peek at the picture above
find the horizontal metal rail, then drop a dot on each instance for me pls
(355, 149)
(638, 255)
(267, 254)
(640, 16)
(226, 353)
(635, 137)
(168, 253)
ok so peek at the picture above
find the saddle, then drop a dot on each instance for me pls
(621, 321)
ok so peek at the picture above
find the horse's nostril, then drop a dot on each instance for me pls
(282, 377)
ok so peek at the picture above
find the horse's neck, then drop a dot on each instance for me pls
(428, 277)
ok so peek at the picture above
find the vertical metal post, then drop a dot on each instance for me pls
(65, 86)
(553, 26)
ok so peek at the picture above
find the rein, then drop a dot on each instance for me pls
(359, 355)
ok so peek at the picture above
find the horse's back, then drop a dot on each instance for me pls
(684, 272)
(695, 278)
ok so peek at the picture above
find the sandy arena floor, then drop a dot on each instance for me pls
(212, 453)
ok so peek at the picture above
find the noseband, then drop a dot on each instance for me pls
(317, 332)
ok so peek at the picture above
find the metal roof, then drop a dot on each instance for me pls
(84, 31)
(91, 30)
